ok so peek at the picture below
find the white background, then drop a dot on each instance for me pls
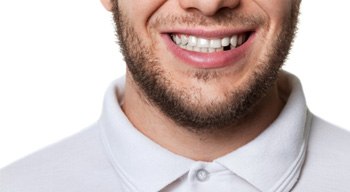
(58, 57)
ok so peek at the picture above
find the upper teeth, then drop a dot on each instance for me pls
(199, 44)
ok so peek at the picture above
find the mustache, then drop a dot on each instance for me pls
(224, 18)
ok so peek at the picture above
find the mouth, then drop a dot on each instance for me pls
(209, 49)
(209, 45)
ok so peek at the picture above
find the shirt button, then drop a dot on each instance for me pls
(202, 174)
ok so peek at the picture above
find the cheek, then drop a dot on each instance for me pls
(277, 10)
(139, 11)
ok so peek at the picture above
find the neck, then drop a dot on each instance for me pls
(201, 147)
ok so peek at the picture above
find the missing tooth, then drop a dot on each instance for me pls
(227, 48)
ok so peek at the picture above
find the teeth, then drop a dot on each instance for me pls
(215, 43)
(190, 48)
(197, 49)
(203, 43)
(198, 44)
(240, 40)
(184, 39)
(177, 40)
(204, 50)
(225, 42)
(233, 42)
(219, 49)
(211, 50)
(192, 41)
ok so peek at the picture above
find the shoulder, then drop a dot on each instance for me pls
(327, 163)
(326, 139)
(68, 165)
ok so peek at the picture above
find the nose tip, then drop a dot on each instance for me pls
(209, 7)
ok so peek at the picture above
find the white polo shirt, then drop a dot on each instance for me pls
(298, 152)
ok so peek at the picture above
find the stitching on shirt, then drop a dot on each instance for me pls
(110, 156)
(295, 170)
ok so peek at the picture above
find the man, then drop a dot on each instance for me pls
(204, 106)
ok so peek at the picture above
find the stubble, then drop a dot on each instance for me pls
(175, 102)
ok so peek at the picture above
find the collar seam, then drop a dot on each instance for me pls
(108, 152)
(293, 173)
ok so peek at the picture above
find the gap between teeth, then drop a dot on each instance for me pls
(198, 44)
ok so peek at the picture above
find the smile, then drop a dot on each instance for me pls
(209, 49)
(205, 45)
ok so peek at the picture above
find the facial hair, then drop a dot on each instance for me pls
(174, 102)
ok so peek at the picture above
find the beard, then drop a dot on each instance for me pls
(158, 89)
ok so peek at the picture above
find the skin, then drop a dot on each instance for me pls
(205, 95)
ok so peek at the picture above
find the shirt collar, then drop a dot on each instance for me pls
(271, 162)
(142, 164)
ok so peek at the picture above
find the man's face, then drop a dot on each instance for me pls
(205, 63)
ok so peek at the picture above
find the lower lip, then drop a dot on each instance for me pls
(209, 60)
